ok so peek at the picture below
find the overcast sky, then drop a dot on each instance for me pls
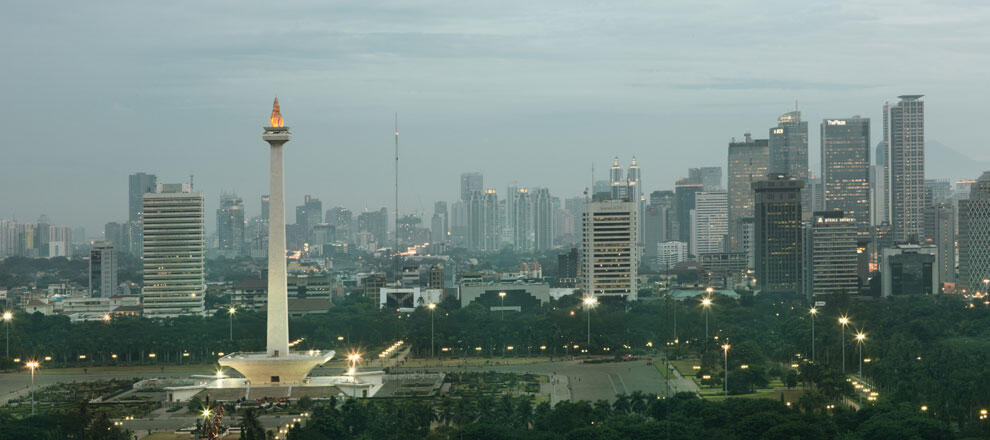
(527, 91)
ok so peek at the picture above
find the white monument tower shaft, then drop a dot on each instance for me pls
(278, 309)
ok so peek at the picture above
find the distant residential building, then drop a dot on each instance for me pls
(940, 230)
(230, 225)
(138, 185)
(909, 269)
(684, 202)
(102, 270)
(904, 126)
(522, 219)
(670, 253)
(657, 220)
(779, 236)
(749, 162)
(974, 237)
(834, 254)
(711, 222)
(174, 252)
(471, 182)
(710, 178)
(376, 224)
(543, 220)
(609, 249)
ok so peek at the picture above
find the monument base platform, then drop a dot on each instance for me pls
(230, 389)
(287, 369)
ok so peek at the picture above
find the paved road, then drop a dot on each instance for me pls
(591, 381)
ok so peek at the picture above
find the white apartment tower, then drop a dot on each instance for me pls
(174, 251)
(711, 222)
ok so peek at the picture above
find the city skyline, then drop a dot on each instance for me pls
(646, 100)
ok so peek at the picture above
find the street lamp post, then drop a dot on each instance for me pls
(860, 337)
(843, 322)
(7, 316)
(432, 307)
(725, 382)
(501, 296)
(230, 313)
(33, 365)
(590, 302)
(707, 304)
(814, 312)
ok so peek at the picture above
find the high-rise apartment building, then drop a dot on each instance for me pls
(846, 168)
(905, 159)
(174, 252)
(230, 225)
(834, 254)
(471, 182)
(609, 249)
(778, 234)
(483, 224)
(878, 186)
(376, 224)
(940, 230)
(102, 270)
(974, 237)
(789, 153)
(711, 222)
(138, 185)
(749, 162)
(522, 219)
(669, 253)
(543, 219)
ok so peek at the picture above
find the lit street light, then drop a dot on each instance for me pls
(230, 314)
(501, 296)
(7, 316)
(33, 365)
(707, 304)
(843, 322)
(860, 337)
(432, 307)
(725, 381)
(590, 302)
(813, 312)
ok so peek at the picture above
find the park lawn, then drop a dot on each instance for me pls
(684, 366)
(474, 361)
(167, 436)
(789, 395)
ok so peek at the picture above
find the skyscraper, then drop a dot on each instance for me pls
(789, 153)
(264, 206)
(174, 252)
(471, 182)
(439, 223)
(940, 230)
(543, 219)
(878, 186)
(684, 201)
(846, 168)
(905, 160)
(711, 222)
(710, 178)
(609, 249)
(230, 225)
(658, 221)
(308, 215)
(102, 270)
(522, 220)
(974, 237)
(779, 235)
(834, 254)
(620, 187)
(749, 161)
(138, 185)
(483, 222)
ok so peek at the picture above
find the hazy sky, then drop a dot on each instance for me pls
(530, 91)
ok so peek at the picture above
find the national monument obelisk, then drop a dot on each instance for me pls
(277, 365)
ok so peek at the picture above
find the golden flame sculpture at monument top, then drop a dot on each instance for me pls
(276, 119)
